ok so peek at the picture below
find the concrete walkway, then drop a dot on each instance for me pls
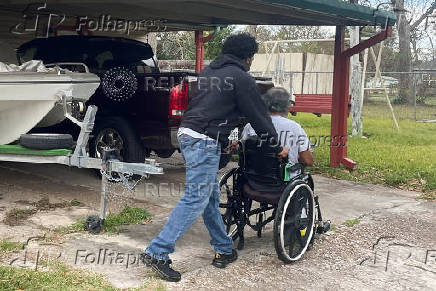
(405, 220)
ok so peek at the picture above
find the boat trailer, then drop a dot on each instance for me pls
(110, 166)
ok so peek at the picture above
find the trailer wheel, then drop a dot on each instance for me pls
(39, 141)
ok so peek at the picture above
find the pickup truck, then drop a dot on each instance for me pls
(139, 108)
(144, 117)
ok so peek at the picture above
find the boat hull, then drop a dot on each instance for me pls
(26, 98)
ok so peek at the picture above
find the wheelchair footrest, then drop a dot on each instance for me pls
(323, 227)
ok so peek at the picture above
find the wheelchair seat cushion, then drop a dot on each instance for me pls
(268, 197)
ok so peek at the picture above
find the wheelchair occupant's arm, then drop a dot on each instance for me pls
(304, 154)
(306, 158)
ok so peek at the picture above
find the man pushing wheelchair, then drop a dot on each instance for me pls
(273, 188)
(225, 93)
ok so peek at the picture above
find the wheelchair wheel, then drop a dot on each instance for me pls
(294, 221)
(229, 207)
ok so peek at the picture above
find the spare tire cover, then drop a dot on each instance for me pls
(119, 84)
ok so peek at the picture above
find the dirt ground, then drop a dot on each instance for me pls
(389, 242)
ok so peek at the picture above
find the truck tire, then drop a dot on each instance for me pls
(40, 141)
(117, 132)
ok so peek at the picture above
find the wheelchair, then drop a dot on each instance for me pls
(267, 187)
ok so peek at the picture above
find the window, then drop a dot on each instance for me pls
(105, 60)
(27, 55)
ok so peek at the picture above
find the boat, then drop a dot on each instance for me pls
(27, 97)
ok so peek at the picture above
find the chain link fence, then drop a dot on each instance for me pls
(419, 88)
(418, 101)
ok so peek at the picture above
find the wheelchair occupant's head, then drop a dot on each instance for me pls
(277, 100)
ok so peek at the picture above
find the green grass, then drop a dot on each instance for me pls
(379, 109)
(9, 246)
(431, 101)
(128, 215)
(60, 277)
(18, 216)
(77, 226)
(352, 222)
(402, 159)
(428, 195)
(75, 202)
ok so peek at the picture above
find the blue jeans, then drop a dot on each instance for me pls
(201, 197)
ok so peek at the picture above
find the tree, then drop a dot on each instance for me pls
(252, 29)
(406, 29)
(262, 33)
(176, 45)
(286, 32)
(180, 45)
(212, 48)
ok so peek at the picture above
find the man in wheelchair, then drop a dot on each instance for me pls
(292, 136)
(277, 185)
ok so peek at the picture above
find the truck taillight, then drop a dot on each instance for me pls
(178, 100)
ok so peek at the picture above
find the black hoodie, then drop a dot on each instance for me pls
(225, 93)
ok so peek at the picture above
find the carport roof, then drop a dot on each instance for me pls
(193, 14)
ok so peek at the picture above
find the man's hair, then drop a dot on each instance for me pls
(241, 45)
(277, 100)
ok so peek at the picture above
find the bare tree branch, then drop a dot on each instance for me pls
(424, 16)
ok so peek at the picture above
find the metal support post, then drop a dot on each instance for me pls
(199, 51)
(414, 95)
(338, 146)
(103, 199)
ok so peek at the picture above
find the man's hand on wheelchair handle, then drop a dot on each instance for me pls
(232, 147)
(284, 152)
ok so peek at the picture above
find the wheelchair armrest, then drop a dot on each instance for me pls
(298, 166)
